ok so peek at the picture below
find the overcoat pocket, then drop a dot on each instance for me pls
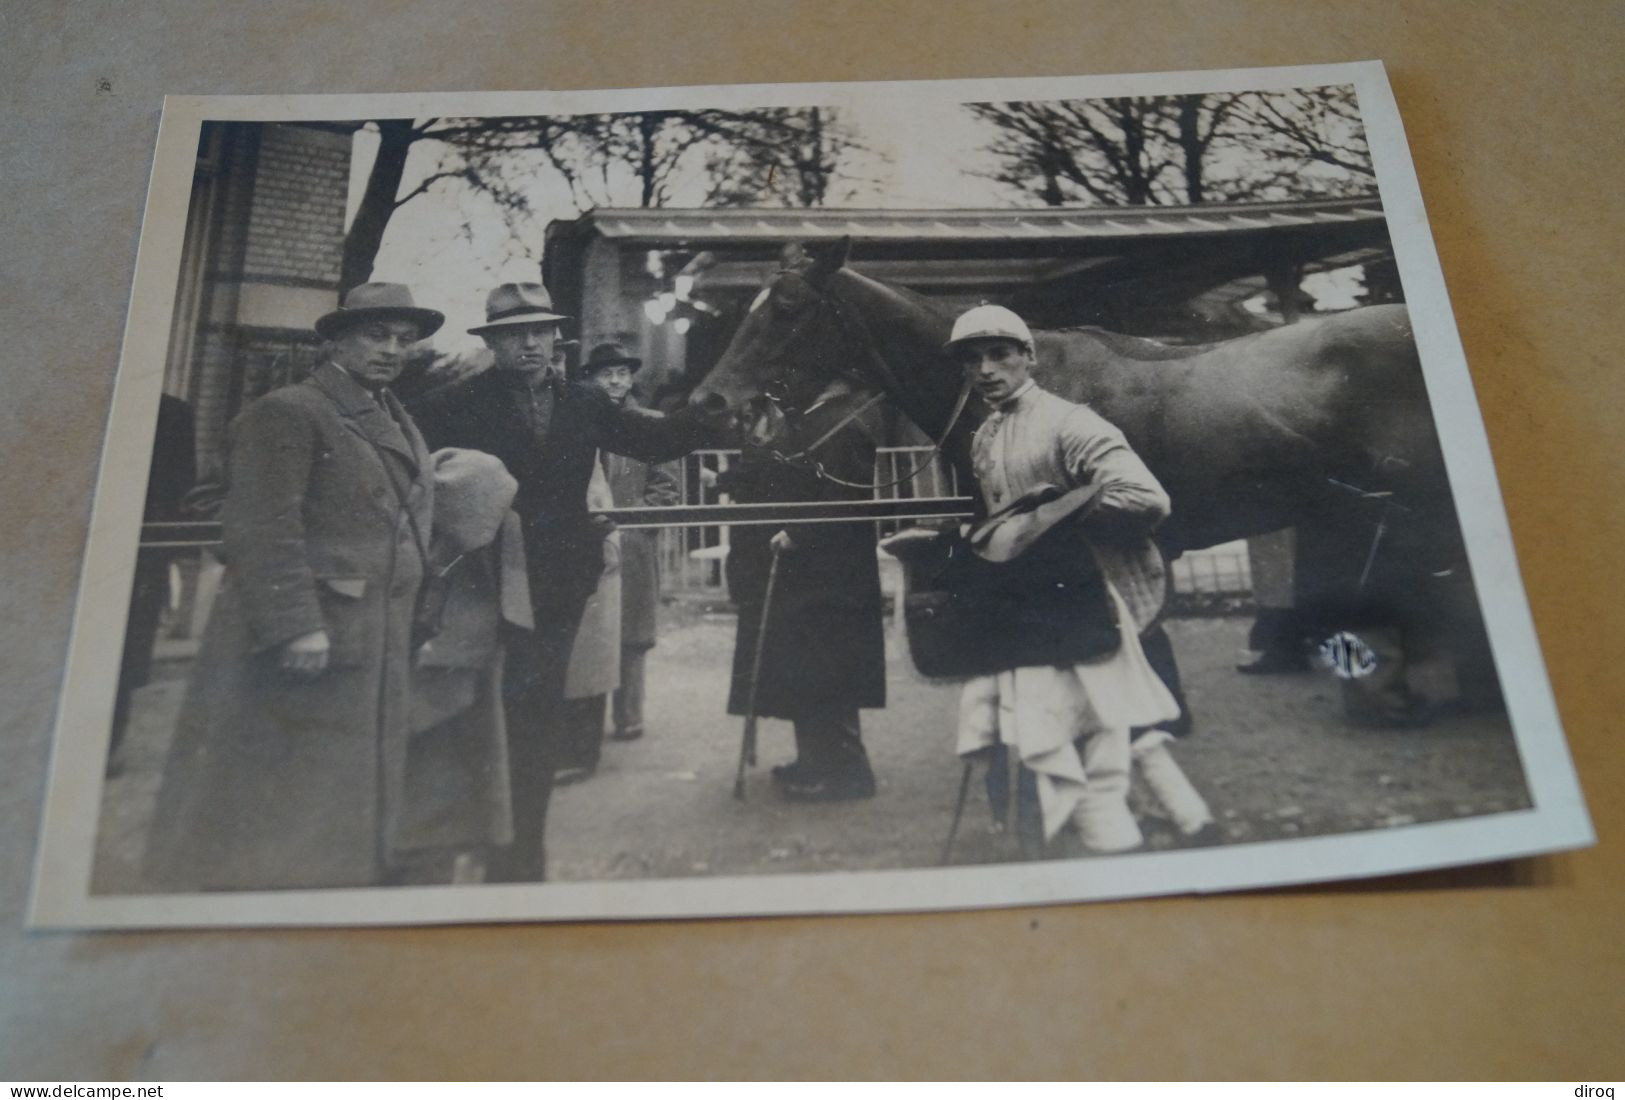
(350, 587)
(347, 615)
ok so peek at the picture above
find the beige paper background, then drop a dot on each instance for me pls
(1512, 111)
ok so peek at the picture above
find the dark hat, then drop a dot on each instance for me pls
(517, 304)
(609, 355)
(378, 302)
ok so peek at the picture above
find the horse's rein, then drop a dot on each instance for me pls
(801, 455)
(804, 457)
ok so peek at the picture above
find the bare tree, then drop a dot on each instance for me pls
(470, 151)
(767, 155)
(1309, 126)
(783, 156)
(381, 197)
(1154, 150)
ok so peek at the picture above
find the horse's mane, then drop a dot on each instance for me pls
(911, 297)
(914, 297)
(1134, 347)
(1129, 347)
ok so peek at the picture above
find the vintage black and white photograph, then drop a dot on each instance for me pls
(790, 499)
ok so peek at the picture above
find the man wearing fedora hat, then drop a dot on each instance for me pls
(288, 763)
(547, 430)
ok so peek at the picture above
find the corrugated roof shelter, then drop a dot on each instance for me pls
(1155, 270)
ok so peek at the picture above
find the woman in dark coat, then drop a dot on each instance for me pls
(823, 654)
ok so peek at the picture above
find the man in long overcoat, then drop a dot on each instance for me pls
(595, 656)
(633, 484)
(547, 431)
(288, 764)
(823, 651)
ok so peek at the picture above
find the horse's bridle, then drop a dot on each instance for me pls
(775, 391)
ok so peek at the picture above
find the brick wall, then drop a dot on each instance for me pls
(296, 225)
(214, 344)
(272, 267)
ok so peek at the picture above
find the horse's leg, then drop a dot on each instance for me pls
(1469, 642)
(1029, 816)
(1408, 597)
(1012, 793)
(1446, 647)
(1159, 654)
(997, 781)
(1335, 591)
(1276, 638)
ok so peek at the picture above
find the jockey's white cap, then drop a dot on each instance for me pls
(988, 322)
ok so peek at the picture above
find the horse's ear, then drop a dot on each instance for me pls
(828, 257)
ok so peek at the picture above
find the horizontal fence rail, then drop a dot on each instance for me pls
(692, 535)
(784, 513)
(194, 535)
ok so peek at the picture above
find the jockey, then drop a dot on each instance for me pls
(1071, 725)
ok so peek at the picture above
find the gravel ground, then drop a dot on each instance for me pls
(1274, 755)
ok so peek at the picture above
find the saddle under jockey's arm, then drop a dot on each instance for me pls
(1132, 502)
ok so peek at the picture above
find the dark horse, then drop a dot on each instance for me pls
(1322, 425)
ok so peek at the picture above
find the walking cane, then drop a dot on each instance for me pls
(959, 812)
(747, 743)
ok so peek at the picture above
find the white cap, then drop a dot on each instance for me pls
(987, 322)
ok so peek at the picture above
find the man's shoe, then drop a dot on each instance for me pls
(786, 773)
(829, 789)
(566, 777)
(630, 734)
(506, 865)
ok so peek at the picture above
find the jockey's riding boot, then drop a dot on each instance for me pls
(1166, 781)
(1104, 822)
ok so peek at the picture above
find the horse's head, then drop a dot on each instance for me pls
(793, 341)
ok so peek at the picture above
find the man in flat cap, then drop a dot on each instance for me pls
(547, 431)
(287, 767)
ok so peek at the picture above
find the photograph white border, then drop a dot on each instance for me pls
(62, 898)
